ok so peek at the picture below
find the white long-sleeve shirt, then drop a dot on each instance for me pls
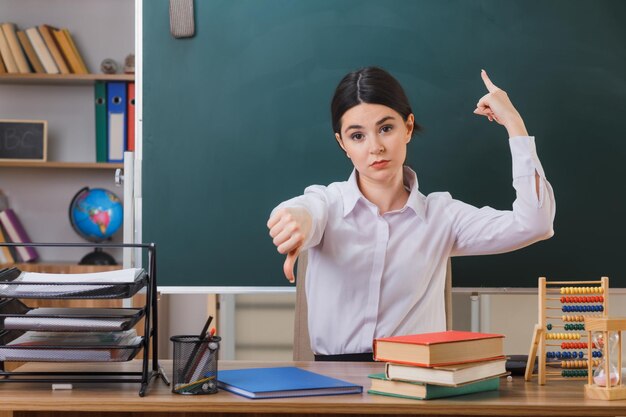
(372, 275)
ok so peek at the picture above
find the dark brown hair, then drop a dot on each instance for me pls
(370, 85)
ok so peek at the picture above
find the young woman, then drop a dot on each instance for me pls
(378, 248)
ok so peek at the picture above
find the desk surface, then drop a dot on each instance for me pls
(516, 398)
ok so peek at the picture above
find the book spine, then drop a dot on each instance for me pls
(6, 253)
(81, 61)
(42, 50)
(16, 49)
(30, 52)
(67, 52)
(7, 56)
(17, 234)
(48, 37)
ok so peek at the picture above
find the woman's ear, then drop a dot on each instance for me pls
(340, 142)
(410, 124)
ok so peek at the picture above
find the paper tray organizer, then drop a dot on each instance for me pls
(15, 315)
(64, 353)
(118, 349)
(11, 287)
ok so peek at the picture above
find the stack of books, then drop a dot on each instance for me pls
(11, 230)
(435, 365)
(40, 49)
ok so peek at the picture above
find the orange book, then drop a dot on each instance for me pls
(67, 51)
(49, 39)
(81, 61)
(130, 118)
(439, 348)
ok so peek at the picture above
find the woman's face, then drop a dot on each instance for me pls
(374, 137)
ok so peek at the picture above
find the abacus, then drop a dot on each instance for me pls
(559, 339)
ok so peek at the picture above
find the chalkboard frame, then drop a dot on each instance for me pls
(42, 142)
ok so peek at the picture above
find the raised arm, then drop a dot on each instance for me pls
(486, 230)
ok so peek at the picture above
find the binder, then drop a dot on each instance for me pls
(100, 99)
(116, 121)
(131, 117)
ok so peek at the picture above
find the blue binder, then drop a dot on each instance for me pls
(116, 121)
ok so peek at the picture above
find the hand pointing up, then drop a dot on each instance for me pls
(495, 105)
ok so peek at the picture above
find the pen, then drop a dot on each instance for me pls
(196, 348)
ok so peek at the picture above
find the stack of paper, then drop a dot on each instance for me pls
(100, 281)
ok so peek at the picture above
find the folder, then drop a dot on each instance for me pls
(131, 117)
(100, 98)
(282, 382)
(116, 121)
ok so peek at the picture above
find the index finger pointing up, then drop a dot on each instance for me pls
(490, 86)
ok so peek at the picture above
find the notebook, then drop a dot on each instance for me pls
(281, 382)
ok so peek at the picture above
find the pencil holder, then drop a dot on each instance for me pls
(195, 364)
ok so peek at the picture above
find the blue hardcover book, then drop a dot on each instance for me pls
(116, 121)
(288, 381)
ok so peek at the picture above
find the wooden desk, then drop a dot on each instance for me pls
(516, 398)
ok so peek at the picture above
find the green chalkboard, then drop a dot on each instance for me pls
(236, 119)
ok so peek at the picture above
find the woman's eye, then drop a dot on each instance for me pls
(386, 128)
(357, 136)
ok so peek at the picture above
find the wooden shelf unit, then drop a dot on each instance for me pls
(61, 79)
(61, 165)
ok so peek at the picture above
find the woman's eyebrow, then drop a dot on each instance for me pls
(383, 120)
(353, 127)
(378, 123)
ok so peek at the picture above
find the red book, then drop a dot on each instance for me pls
(440, 348)
(130, 117)
(17, 234)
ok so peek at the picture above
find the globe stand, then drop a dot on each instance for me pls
(97, 257)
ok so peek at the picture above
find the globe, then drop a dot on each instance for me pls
(96, 214)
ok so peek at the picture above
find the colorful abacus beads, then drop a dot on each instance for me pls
(585, 299)
(582, 308)
(572, 373)
(573, 318)
(581, 364)
(582, 290)
(574, 326)
(567, 336)
(565, 355)
(576, 345)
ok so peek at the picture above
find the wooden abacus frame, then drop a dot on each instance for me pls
(538, 344)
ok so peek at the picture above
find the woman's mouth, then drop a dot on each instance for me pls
(380, 164)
